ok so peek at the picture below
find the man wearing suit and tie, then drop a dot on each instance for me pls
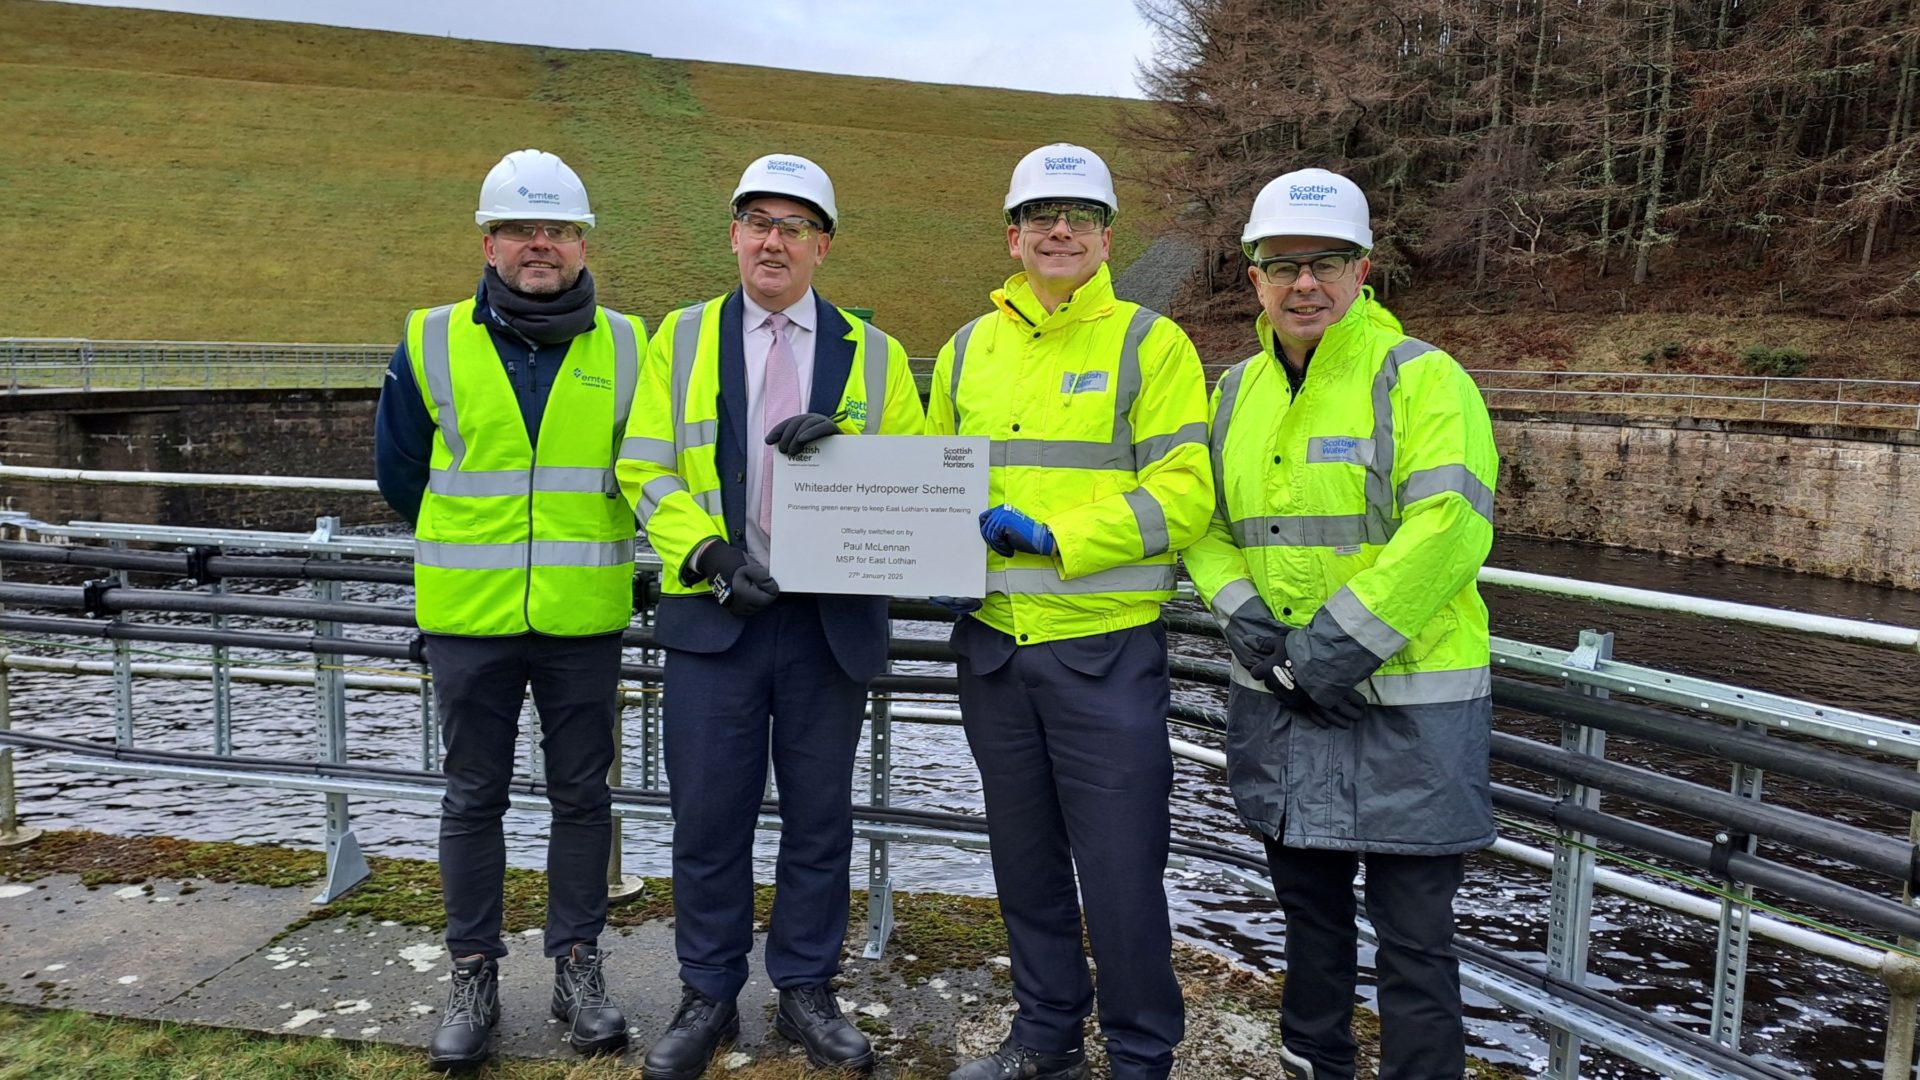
(769, 367)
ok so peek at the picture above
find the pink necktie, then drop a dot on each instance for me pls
(782, 400)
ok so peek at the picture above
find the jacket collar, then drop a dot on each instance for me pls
(1093, 300)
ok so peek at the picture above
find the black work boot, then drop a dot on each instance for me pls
(810, 1016)
(700, 1026)
(1015, 1062)
(594, 1024)
(473, 1007)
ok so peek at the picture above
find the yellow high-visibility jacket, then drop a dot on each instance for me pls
(1360, 510)
(669, 462)
(514, 537)
(1098, 418)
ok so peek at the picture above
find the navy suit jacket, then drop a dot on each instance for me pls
(856, 626)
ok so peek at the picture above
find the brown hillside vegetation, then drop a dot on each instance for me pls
(182, 176)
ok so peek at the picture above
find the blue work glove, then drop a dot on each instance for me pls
(1007, 530)
(796, 433)
(959, 605)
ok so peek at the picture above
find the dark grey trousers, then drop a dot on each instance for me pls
(1410, 901)
(479, 684)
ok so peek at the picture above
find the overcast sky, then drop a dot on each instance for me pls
(1067, 46)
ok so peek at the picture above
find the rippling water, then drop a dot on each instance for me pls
(1815, 1018)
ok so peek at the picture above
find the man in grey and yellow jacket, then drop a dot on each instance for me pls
(495, 436)
(1099, 471)
(1355, 470)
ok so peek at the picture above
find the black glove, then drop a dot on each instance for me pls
(741, 585)
(793, 434)
(959, 605)
(1250, 622)
(1274, 668)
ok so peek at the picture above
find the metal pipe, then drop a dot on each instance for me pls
(196, 480)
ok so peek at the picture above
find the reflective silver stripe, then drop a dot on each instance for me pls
(686, 347)
(1363, 626)
(1060, 454)
(1148, 451)
(1245, 678)
(700, 433)
(1128, 387)
(1382, 516)
(960, 337)
(655, 492)
(876, 371)
(582, 552)
(1330, 530)
(433, 358)
(495, 482)
(626, 375)
(1217, 436)
(469, 556)
(1345, 448)
(1231, 597)
(652, 451)
(1428, 687)
(710, 501)
(1021, 581)
(1442, 478)
(1151, 519)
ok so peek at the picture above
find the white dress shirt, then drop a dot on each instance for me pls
(757, 340)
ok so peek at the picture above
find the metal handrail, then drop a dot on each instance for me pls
(1860, 402)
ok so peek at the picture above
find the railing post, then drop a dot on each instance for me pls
(122, 670)
(1902, 976)
(346, 867)
(879, 855)
(1730, 947)
(652, 699)
(11, 834)
(620, 884)
(1570, 911)
(429, 725)
(222, 686)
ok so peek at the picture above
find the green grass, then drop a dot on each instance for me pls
(181, 176)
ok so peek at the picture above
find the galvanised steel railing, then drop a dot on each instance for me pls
(85, 364)
(1718, 884)
(1869, 403)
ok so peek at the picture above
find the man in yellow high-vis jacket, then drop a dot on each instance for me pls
(768, 368)
(496, 434)
(1355, 468)
(1096, 408)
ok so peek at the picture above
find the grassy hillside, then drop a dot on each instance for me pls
(180, 176)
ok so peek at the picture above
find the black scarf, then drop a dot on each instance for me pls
(544, 320)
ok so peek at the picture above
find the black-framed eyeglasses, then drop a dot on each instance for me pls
(1323, 265)
(1081, 217)
(797, 230)
(558, 232)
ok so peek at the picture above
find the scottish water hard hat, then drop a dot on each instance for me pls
(532, 185)
(1309, 202)
(1062, 171)
(790, 176)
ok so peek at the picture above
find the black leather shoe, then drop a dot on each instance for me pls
(473, 1007)
(594, 1024)
(810, 1016)
(1015, 1062)
(700, 1027)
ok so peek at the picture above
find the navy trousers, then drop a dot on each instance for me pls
(1410, 902)
(778, 681)
(1071, 741)
(478, 685)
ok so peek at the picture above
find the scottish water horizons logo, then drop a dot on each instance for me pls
(1310, 193)
(1064, 164)
(782, 166)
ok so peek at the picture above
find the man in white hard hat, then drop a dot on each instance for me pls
(770, 367)
(1355, 467)
(496, 434)
(1096, 408)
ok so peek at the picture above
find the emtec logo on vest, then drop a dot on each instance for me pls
(598, 382)
(547, 197)
(1065, 164)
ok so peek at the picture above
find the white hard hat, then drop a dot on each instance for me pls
(1062, 171)
(793, 177)
(1309, 202)
(532, 185)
